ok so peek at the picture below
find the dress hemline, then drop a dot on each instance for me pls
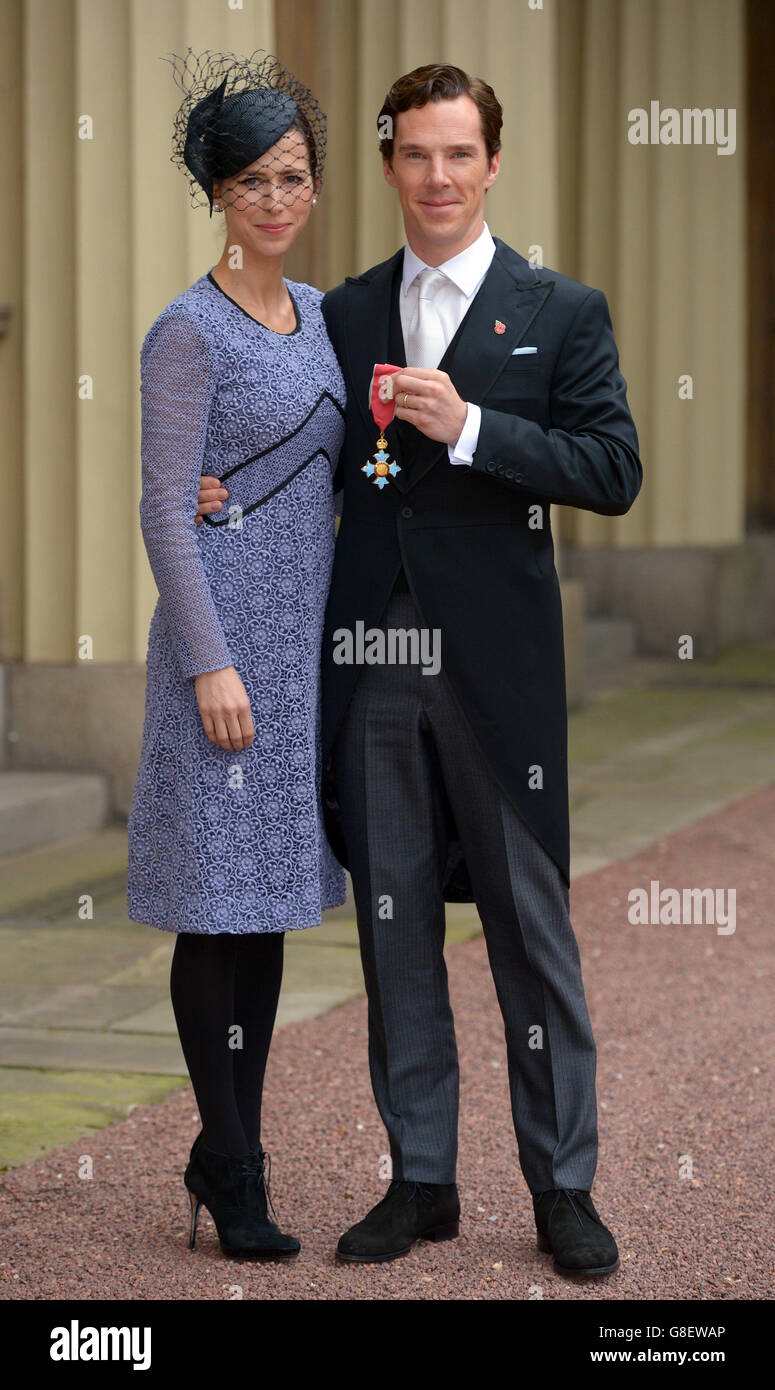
(245, 931)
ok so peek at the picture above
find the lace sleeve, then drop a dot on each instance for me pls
(177, 386)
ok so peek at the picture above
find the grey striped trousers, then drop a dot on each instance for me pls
(408, 772)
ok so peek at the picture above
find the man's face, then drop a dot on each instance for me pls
(440, 170)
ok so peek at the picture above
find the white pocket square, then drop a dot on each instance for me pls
(528, 349)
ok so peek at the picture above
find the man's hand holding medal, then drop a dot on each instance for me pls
(423, 396)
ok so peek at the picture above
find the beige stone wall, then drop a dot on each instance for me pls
(661, 228)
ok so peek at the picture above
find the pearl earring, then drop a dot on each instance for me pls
(314, 200)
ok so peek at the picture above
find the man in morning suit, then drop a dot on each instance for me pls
(453, 786)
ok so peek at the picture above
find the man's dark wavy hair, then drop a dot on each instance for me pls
(442, 82)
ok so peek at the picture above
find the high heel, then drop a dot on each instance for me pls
(235, 1190)
(196, 1203)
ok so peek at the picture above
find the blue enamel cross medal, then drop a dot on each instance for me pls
(378, 472)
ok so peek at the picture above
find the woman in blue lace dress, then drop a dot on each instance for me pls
(226, 841)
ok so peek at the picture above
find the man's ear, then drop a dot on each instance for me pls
(493, 171)
(387, 170)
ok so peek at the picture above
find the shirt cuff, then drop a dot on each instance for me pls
(463, 451)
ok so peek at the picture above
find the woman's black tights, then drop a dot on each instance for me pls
(224, 990)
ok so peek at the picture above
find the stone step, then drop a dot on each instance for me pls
(41, 808)
(47, 881)
(69, 1049)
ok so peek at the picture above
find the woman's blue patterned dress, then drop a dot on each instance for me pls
(222, 841)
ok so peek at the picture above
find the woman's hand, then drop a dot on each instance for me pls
(225, 709)
(210, 490)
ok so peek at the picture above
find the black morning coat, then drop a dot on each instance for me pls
(555, 428)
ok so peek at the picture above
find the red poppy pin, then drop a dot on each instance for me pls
(499, 327)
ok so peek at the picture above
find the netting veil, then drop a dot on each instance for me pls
(247, 125)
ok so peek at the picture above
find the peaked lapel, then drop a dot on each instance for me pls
(510, 293)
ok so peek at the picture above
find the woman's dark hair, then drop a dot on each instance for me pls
(441, 82)
(302, 125)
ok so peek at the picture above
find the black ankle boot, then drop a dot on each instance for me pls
(235, 1191)
(568, 1225)
(409, 1211)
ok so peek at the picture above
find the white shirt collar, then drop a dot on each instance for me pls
(465, 269)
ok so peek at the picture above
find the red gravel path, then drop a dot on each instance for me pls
(681, 1015)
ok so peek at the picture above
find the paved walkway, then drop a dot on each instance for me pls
(86, 1030)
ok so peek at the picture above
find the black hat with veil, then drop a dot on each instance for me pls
(233, 111)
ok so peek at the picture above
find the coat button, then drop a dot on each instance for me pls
(500, 470)
(509, 472)
(491, 466)
(407, 512)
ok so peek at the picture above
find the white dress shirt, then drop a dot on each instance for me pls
(465, 273)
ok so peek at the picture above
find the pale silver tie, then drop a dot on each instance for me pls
(426, 345)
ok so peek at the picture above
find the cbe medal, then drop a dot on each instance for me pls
(382, 407)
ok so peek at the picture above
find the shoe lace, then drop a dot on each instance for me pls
(414, 1188)
(257, 1166)
(570, 1193)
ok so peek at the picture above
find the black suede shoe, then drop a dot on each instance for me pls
(235, 1190)
(568, 1225)
(409, 1211)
